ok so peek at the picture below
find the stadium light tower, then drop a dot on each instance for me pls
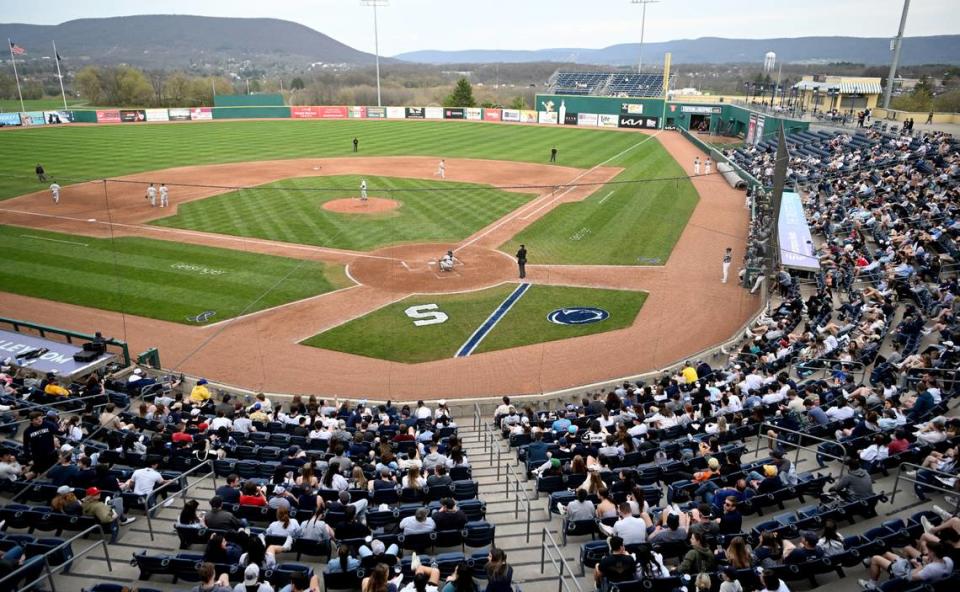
(895, 45)
(376, 38)
(643, 26)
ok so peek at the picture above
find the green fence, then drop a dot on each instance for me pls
(257, 100)
(251, 112)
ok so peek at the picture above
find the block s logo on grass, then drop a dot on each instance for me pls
(427, 315)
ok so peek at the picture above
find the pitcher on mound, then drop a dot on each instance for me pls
(363, 190)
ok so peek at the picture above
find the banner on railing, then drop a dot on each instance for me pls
(32, 118)
(133, 115)
(453, 113)
(510, 115)
(528, 116)
(108, 116)
(319, 112)
(9, 119)
(703, 109)
(547, 117)
(751, 137)
(433, 113)
(492, 115)
(608, 120)
(589, 119)
(631, 108)
(157, 115)
(201, 113)
(473, 113)
(376, 112)
(793, 231)
(396, 113)
(414, 113)
(569, 118)
(356, 112)
(761, 121)
(55, 117)
(176, 114)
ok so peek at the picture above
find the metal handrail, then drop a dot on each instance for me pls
(517, 498)
(51, 570)
(761, 433)
(477, 418)
(559, 562)
(78, 446)
(919, 468)
(862, 368)
(32, 406)
(181, 492)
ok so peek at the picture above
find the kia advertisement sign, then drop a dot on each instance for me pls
(453, 113)
(638, 122)
(415, 113)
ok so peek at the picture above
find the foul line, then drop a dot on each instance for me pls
(471, 344)
(605, 197)
(53, 240)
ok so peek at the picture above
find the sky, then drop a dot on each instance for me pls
(409, 25)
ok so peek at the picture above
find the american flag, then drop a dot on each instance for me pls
(16, 49)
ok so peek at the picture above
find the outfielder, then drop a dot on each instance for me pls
(55, 191)
(706, 166)
(442, 169)
(696, 165)
(727, 258)
(363, 190)
(164, 196)
(152, 195)
(447, 261)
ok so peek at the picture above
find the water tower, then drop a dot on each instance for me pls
(769, 61)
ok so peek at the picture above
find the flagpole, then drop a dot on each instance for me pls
(60, 76)
(15, 75)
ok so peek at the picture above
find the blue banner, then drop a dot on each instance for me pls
(9, 119)
(796, 246)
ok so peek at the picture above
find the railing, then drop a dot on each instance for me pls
(182, 492)
(51, 570)
(548, 543)
(491, 438)
(830, 363)
(944, 376)
(35, 406)
(477, 418)
(70, 335)
(516, 503)
(908, 479)
(761, 433)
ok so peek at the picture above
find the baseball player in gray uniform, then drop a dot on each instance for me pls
(152, 195)
(164, 196)
(363, 190)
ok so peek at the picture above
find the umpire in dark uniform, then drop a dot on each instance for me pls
(522, 261)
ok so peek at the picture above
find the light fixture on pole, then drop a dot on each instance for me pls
(376, 38)
(643, 26)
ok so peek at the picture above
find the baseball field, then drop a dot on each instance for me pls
(265, 215)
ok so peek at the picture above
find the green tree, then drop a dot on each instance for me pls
(177, 89)
(255, 86)
(948, 102)
(297, 84)
(462, 95)
(32, 89)
(518, 102)
(89, 85)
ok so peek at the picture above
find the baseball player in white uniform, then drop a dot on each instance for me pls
(363, 190)
(55, 192)
(447, 261)
(152, 195)
(707, 165)
(442, 169)
(727, 258)
(696, 165)
(164, 196)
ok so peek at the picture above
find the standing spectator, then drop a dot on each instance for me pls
(40, 444)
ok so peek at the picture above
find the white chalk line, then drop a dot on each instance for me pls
(278, 307)
(605, 197)
(54, 240)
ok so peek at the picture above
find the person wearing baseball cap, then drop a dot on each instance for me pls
(251, 581)
(93, 506)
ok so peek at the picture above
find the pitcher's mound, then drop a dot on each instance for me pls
(353, 205)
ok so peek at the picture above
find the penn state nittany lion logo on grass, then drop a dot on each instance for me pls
(577, 315)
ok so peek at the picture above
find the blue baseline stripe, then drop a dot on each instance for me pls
(471, 344)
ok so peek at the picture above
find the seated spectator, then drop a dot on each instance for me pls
(351, 528)
(933, 566)
(419, 523)
(631, 529)
(580, 508)
(252, 495)
(772, 583)
(807, 550)
(738, 553)
(189, 515)
(106, 516)
(315, 529)
(282, 498)
(385, 480)
(617, 566)
(10, 469)
(461, 580)
(450, 517)
(856, 483)
(219, 519)
(728, 580)
(284, 525)
(669, 531)
(229, 492)
(831, 541)
(425, 579)
(769, 553)
(66, 501)
(439, 478)
(499, 572)
(64, 471)
(251, 581)
(332, 479)
(344, 563)
(219, 550)
(699, 558)
(209, 582)
(389, 555)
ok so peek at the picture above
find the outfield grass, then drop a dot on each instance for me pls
(389, 334)
(431, 211)
(620, 224)
(153, 278)
(56, 104)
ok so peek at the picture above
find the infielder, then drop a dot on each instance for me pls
(363, 190)
(727, 258)
(442, 169)
(706, 166)
(447, 261)
(55, 191)
(696, 165)
(164, 196)
(152, 195)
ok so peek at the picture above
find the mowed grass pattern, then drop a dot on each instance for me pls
(80, 153)
(158, 279)
(619, 224)
(389, 334)
(292, 211)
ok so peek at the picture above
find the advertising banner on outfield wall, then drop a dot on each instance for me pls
(751, 130)
(201, 113)
(453, 113)
(631, 108)
(54, 117)
(396, 112)
(32, 118)
(414, 113)
(9, 119)
(528, 116)
(547, 117)
(110, 116)
(511, 115)
(492, 115)
(761, 122)
(473, 113)
(704, 109)
(589, 119)
(638, 122)
(178, 114)
(569, 118)
(433, 113)
(157, 115)
(303, 112)
(332, 112)
(607, 120)
(376, 112)
(356, 112)
(133, 115)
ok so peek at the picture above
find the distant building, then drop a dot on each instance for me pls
(769, 61)
(843, 93)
